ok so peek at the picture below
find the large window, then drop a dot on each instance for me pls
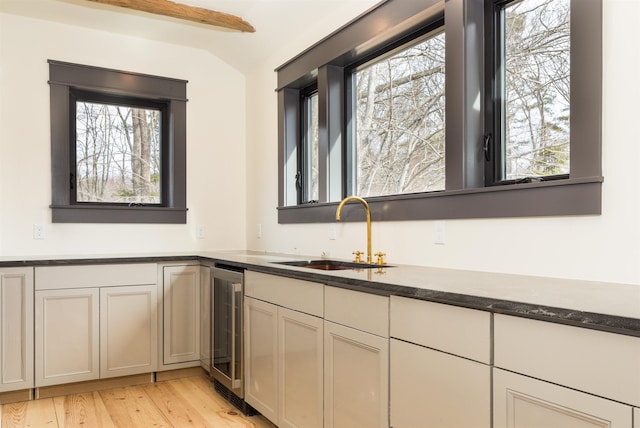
(118, 146)
(522, 80)
(400, 121)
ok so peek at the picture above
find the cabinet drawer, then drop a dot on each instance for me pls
(363, 311)
(84, 276)
(303, 296)
(449, 391)
(601, 363)
(520, 401)
(459, 331)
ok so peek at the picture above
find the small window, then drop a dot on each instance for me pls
(118, 146)
(535, 89)
(310, 154)
(400, 121)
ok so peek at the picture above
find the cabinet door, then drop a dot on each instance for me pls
(523, 402)
(181, 287)
(67, 341)
(636, 417)
(128, 330)
(356, 378)
(300, 342)
(261, 357)
(16, 329)
(450, 391)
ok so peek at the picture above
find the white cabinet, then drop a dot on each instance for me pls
(449, 391)
(181, 316)
(128, 330)
(284, 364)
(67, 336)
(523, 402)
(356, 359)
(300, 369)
(596, 362)
(16, 329)
(356, 380)
(636, 417)
(550, 374)
(284, 350)
(444, 371)
(261, 357)
(94, 321)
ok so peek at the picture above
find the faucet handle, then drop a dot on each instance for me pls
(380, 256)
(358, 259)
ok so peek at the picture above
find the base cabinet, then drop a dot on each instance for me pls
(16, 329)
(94, 321)
(440, 363)
(261, 357)
(356, 378)
(283, 365)
(435, 389)
(523, 402)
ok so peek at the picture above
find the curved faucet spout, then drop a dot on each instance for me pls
(368, 213)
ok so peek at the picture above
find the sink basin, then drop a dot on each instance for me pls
(329, 264)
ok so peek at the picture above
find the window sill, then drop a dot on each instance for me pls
(581, 196)
(117, 214)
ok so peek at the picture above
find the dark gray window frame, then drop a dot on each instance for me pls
(65, 77)
(466, 195)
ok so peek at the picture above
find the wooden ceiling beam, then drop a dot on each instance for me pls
(183, 11)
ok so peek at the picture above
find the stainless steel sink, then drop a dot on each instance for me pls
(330, 264)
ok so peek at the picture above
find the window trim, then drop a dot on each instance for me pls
(63, 79)
(466, 195)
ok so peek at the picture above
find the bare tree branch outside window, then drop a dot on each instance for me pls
(537, 77)
(117, 154)
(400, 123)
(311, 147)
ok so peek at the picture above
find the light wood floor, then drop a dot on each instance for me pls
(186, 402)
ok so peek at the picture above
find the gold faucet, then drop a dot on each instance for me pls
(368, 212)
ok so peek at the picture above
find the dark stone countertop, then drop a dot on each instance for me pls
(610, 307)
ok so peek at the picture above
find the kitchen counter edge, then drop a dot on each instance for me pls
(592, 320)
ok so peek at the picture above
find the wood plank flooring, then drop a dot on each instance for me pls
(185, 402)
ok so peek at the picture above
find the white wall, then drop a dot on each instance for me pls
(215, 141)
(231, 198)
(605, 247)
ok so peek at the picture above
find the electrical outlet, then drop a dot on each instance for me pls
(38, 231)
(201, 231)
(438, 232)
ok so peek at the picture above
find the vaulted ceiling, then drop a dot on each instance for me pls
(276, 23)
